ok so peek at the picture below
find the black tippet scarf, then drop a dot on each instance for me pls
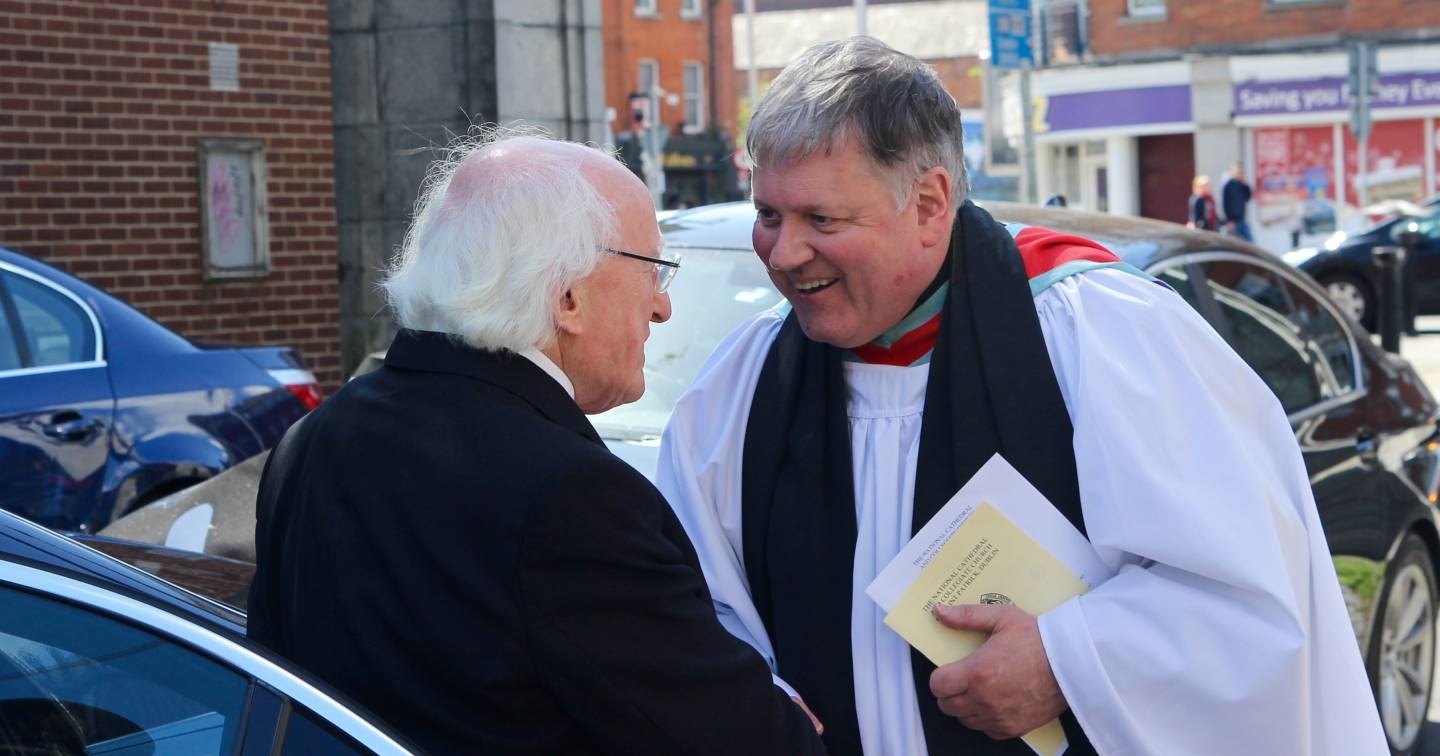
(991, 389)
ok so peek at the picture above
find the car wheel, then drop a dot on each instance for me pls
(1352, 295)
(1402, 648)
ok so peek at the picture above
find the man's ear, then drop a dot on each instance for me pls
(933, 195)
(567, 311)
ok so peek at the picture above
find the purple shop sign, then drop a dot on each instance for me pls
(1405, 90)
(1118, 107)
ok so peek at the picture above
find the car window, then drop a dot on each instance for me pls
(715, 291)
(1324, 337)
(1428, 226)
(75, 681)
(1179, 279)
(1293, 349)
(308, 735)
(9, 353)
(57, 331)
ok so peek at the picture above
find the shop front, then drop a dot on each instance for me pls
(698, 171)
(1309, 172)
(1116, 139)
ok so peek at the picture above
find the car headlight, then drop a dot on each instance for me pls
(1299, 257)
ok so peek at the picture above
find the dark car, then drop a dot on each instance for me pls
(97, 656)
(1364, 419)
(103, 410)
(1344, 265)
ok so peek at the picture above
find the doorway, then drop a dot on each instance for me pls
(1167, 165)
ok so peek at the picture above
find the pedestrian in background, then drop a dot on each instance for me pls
(1234, 201)
(447, 540)
(1202, 206)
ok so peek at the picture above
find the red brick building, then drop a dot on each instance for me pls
(103, 106)
(1120, 28)
(680, 52)
(1150, 93)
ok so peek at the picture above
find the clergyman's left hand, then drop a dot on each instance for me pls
(1005, 688)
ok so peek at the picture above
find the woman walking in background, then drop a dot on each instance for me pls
(1202, 206)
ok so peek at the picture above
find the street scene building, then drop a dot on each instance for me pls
(388, 375)
(669, 90)
(181, 158)
(950, 35)
(1133, 98)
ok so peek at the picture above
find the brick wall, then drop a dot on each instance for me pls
(670, 40)
(1189, 23)
(102, 104)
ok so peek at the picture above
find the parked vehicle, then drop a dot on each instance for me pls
(1365, 421)
(1344, 266)
(103, 410)
(97, 656)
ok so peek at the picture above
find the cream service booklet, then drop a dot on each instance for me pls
(998, 540)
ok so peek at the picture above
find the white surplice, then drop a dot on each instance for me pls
(1223, 632)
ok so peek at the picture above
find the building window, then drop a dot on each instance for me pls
(691, 8)
(647, 7)
(647, 78)
(694, 98)
(1146, 7)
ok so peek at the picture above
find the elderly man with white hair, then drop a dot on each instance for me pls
(447, 540)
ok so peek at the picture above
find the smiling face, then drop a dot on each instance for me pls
(836, 247)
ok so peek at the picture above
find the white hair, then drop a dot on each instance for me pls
(486, 257)
(893, 104)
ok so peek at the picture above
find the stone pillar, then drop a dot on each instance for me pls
(549, 67)
(409, 76)
(1212, 100)
(1122, 172)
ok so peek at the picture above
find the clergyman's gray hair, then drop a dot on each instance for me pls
(892, 103)
(486, 255)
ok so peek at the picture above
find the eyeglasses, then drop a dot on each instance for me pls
(665, 268)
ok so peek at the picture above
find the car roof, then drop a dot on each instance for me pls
(1141, 242)
(25, 542)
(115, 316)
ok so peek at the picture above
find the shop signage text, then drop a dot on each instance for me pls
(1409, 90)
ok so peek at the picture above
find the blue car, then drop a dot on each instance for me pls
(103, 410)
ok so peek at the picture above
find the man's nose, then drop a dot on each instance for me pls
(790, 250)
(661, 311)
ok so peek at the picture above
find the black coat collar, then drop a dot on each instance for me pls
(434, 352)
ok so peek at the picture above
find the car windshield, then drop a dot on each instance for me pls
(715, 291)
(1426, 225)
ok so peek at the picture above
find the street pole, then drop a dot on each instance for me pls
(860, 25)
(1364, 75)
(1027, 129)
(752, 79)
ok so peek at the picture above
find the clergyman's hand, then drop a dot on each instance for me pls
(1005, 688)
(819, 728)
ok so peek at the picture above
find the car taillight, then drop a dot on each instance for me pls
(302, 384)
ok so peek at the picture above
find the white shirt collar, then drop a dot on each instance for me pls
(548, 365)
